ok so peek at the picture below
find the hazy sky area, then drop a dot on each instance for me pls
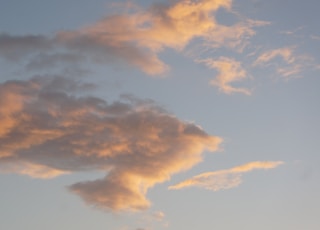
(154, 115)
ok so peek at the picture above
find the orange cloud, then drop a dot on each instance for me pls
(229, 71)
(31, 169)
(139, 37)
(52, 131)
(136, 36)
(224, 179)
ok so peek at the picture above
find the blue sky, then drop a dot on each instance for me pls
(152, 115)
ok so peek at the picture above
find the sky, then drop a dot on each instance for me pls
(153, 115)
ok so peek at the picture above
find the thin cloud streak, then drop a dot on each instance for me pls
(30, 169)
(224, 179)
(49, 130)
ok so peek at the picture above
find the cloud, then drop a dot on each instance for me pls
(293, 65)
(140, 36)
(235, 37)
(31, 169)
(15, 47)
(48, 129)
(48, 61)
(224, 179)
(315, 37)
(285, 53)
(146, 33)
(229, 71)
(135, 36)
(158, 215)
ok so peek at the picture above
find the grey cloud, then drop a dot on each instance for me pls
(48, 61)
(14, 47)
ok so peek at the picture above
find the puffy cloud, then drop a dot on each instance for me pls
(47, 129)
(229, 71)
(224, 179)
(135, 36)
(138, 37)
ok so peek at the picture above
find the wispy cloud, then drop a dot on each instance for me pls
(294, 32)
(229, 71)
(31, 169)
(294, 63)
(285, 53)
(315, 37)
(224, 179)
(47, 130)
(148, 220)
(235, 37)
(153, 220)
(158, 215)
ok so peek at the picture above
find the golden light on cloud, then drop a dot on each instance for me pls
(136, 37)
(224, 179)
(30, 169)
(135, 142)
(229, 71)
(140, 36)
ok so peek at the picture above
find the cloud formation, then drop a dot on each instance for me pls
(137, 36)
(229, 71)
(48, 129)
(224, 179)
